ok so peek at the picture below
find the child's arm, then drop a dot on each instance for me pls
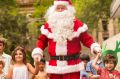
(94, 64)
(33, 70)
(10, 73)
(33, 77)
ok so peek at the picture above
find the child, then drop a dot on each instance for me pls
(20, 68)
(85, 59)
(110, 61)
(41, 74)
(2, 64)
(91, 71)
(5, 57)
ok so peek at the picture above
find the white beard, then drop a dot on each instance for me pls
(62, 25)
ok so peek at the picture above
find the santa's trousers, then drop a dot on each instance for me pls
(75, 75)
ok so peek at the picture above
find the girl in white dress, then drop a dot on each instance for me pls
(21, 69)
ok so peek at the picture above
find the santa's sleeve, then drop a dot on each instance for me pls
(42, 43)
(88, 41)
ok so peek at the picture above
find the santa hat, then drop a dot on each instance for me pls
(63, 2)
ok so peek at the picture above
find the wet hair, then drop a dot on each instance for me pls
(20, 48)
(2, 62)
(85, 57)
(110, 58)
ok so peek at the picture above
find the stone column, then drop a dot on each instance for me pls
(116, 25)
(111, 28)
(100, 32)
(94, 34)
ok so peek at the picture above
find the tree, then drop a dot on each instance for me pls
(90, 11)
(41, 6)
(12, 24)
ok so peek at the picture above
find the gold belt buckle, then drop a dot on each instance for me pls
(61, 57)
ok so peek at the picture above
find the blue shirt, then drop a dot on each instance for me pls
(83, 72)
(89, 67)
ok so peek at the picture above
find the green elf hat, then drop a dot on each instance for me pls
(111, 52)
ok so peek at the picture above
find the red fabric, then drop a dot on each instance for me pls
(42, 42)
(86, 39)
(73, 46)
(75, 75)
(104, 73)
(77, 24)
(70, 2)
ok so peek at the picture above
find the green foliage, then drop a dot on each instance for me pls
(40, 7)
(12, 25)
(90, 11)
(29, 58)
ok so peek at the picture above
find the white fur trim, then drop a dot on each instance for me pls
(80, 30)
(61, 50)
(95, 47)
(46, 32)
(76, 34)
(61, 63)
(37, 51)
(64, 69)
(61, 3)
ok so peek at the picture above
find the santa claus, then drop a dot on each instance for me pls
(63, 33)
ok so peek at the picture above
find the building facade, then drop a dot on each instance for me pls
(115, 9)
(26, 6)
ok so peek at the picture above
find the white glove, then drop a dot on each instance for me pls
(97, 49)
(37, 54)
(37, 57)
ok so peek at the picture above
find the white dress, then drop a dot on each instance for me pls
(2, 76)
(20, 72)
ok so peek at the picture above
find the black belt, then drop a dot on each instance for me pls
(66, 57)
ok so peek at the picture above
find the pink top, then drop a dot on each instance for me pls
(104, 73)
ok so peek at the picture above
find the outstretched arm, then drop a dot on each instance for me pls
(94, 64)
(41, 45)
(33, 70)
(88, 41)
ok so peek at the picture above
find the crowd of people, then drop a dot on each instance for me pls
(100, 67)
(63, 34)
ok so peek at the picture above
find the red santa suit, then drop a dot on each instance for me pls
(71, 47)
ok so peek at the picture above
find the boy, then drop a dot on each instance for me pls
(85, 59)
(4, 56)
(110, 60)
(41, 74)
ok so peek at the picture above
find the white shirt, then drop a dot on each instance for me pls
(7, 60)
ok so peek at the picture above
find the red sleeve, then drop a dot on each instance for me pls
(42, 42)
(86, 39)
(99, 71)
